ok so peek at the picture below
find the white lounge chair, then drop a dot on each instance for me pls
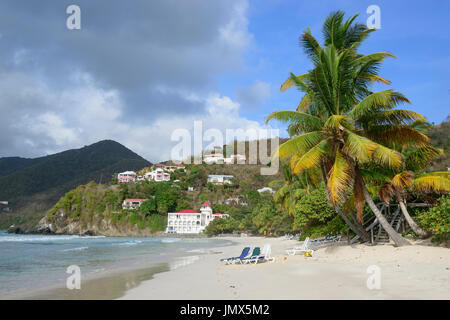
(302, 249)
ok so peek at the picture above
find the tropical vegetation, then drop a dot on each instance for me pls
(347, 131)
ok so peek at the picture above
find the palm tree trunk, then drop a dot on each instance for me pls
(418, 230)
(359, 231)
(397, 238)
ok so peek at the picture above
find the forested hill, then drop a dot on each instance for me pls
(440, 137)
(42, 181)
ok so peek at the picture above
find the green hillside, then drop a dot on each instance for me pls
(440, 137)
(32, 186)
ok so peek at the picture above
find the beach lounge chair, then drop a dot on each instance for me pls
(255, 253)
(230, 260)
(262, 257)
(302, 249)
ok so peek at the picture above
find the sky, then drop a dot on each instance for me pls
(137, 71)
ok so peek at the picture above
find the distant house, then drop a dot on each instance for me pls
(191, 221)
(126, 177)
(235, 201)
(213, 158)
(4, 206)
(220, 179)
(132, 203)
(266, 189)
(235, 158)
(157, 175)
(170, 168)
(219, 158)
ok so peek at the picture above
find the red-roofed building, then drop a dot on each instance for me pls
(191, 221)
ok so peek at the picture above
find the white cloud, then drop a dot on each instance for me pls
(134, 81)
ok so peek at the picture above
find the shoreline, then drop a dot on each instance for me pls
(334, 272)
(113, 282)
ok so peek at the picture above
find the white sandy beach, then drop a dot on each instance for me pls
(334, 272)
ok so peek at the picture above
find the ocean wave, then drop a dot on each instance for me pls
(170, 240)
(75, 249)
(33, 238)
(127, 243)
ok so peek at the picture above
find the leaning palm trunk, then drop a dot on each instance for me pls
(354, 227)
(418, 230)
(397, 238)
(359, 231)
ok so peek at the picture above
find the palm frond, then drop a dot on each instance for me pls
(359, 147)
(292, 81)
(304, 103)
(294, 116)
(387, 157)
(403, 180)
(339, 178)
(338, 122)
(397, 135)
(312, 158)
(386, 193)
(275, 183)
(298, 145)
(378, 100)
(418, 158)
(398, 117)
(438, 182)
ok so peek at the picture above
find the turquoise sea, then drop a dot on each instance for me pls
(34, 261)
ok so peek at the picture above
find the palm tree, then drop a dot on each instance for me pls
(413, 178)
(329, 122)
(293, 187)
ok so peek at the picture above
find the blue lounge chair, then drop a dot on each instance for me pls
(255, 254)
(244, 253)
(263, 256)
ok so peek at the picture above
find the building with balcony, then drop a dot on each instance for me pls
(126, 177)
(191, 221)
(157, 175)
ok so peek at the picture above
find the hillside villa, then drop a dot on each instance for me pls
(220, 178)
(155, 175)
(169, 168)
(191, 221)
(219, 158)
(132, 203)
(126, 177)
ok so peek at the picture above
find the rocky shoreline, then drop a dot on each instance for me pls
(60, 224)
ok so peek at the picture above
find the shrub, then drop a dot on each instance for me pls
(437, 219)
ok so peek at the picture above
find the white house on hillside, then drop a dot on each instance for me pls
(157, 175)
(132, 203)
(235, 158)
(191, 221)
(219, 158)
(213, 158)
(220, 178)
(127, 176)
